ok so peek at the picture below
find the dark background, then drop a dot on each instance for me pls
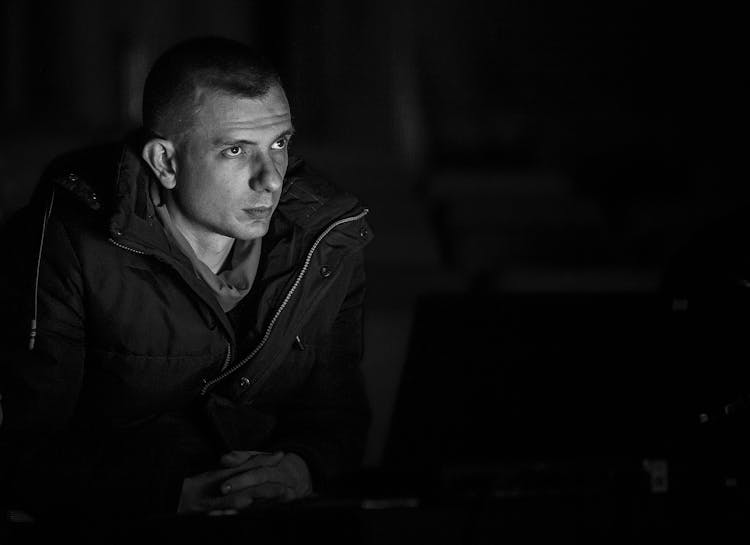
(524, 149)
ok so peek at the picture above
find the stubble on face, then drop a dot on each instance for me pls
(231, 164)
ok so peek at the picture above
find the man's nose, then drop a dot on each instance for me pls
(266, 176)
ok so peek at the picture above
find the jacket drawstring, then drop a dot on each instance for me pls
(47, 214)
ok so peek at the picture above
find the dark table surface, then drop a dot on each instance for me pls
(573, 501)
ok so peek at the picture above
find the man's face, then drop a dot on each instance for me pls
(231, 164)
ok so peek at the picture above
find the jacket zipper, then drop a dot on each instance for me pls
(284, 303)
(128, 248)
(208, 383)
(227, 360)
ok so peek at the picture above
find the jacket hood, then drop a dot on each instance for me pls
(112, 181)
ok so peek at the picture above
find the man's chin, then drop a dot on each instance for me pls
(255, 230)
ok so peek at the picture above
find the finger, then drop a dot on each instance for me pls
(253, 477)
(289, 494)
(237, 457)
(216, 506)
(262, 460)
(268, 490)
(222, 512)
(245, 498)
(253, 458)
(240, 500)
(226, 504)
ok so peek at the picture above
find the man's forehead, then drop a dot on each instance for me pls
(231, 112)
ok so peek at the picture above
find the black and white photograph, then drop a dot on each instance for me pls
(377, 272)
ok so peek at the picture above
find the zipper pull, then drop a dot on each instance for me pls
(298, 343)
(32, 335)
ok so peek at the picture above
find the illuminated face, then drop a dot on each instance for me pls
(231, 164)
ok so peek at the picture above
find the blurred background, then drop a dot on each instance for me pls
(505, 148)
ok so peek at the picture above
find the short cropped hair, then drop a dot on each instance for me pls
(207, 63)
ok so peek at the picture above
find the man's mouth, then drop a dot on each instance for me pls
(259, 212)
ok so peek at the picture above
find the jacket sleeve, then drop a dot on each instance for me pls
(51, 466)
(327, 423)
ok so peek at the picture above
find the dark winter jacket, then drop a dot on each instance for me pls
(121, 374)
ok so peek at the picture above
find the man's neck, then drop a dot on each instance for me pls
(210, 248)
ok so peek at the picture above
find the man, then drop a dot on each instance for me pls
(187, 310)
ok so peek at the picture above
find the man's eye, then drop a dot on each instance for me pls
(281, 143)
(234, 151)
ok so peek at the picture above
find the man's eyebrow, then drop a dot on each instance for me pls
(235, 141)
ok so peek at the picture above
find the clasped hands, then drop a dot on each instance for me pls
(247, 476)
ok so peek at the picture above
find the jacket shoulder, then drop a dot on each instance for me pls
(74, 188)
(86, 174)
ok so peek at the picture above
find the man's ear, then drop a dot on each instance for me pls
(160, 156)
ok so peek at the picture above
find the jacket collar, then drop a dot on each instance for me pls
(133, 213)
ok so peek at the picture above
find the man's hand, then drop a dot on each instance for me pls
(279, 476)
(250, 476)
